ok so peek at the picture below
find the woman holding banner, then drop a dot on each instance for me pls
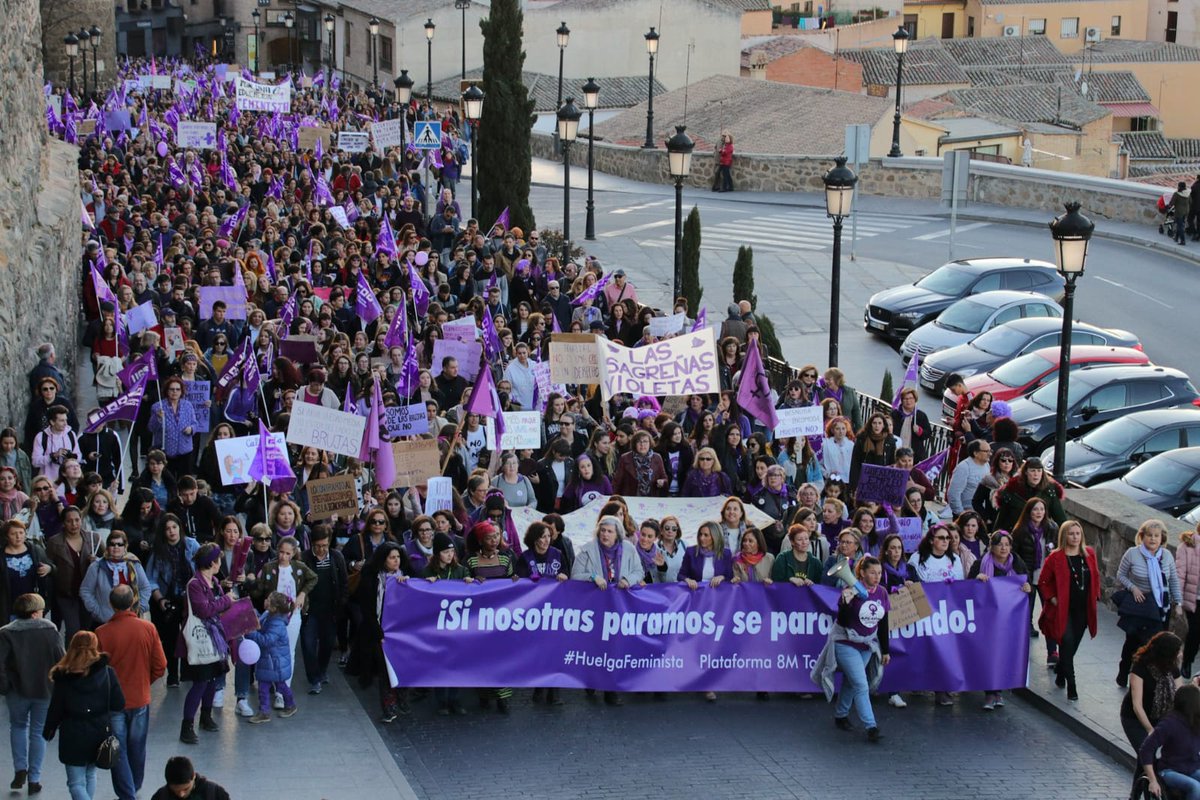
(367, 658)
(872, 445)
(1000, 561)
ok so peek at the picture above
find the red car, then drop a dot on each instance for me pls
(1031, 371)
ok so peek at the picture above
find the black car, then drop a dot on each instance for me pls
(1096, 395)
(1117, 446)
(1169, 482)
(894, 313)
(1005, 342)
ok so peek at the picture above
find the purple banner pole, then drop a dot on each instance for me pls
(661, 638)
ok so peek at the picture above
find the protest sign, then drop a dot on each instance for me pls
(460, 330)
(117, 120)
(679, 366)
(313, 425)
(388, 133)
(309, 134)
(353, 141)
(234, 298)
(54, 101)
(522, 430)
(202, 135)
(909, 604)
(440, 495)
(416, 461)
(85, 127)
(139, 318)
(667, 326)
(574, 358)
(160, 81)
(910, 530)
(883, 484)
(806, 421)
(173, 341)
(406, 420)
(300, 348)
(545, 388)
(339, 216)
(665, 637)
(253, 96)
(234, 457)
(329, 497)
(467, 353)
(199, 394)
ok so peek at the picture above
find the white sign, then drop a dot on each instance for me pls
(313, 425)
(54, 101)
(667, 326)
(202, 135)
(234, 457)
(427, 135)
(522, 430)
(439, 496)
(353, 141)
(139, 318)
(405, 420)
(673, 368)
(253, 96)
(807, 421)
(339, 216)
(388, 133)
(460, 330)
(467, 354)
(160, 81)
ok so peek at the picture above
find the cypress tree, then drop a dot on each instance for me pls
(886, 392)
(767, 339)
(691, 288)
(503, 165)
(743, 276)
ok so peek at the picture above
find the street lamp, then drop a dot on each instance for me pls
(839, 195)
(289, 21)
(1071, 233)
(473, 108)
(591, 99)
(651, 50)
(373, 27)
(83, 37)
(429, 29)
(463, 5)
(568, 129)
(254, 15)
(94, 37)
(679, 156)
(330, 24)
(564, 36)
(900, 41)
(71, 41)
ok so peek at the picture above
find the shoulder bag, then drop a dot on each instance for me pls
(110, 749)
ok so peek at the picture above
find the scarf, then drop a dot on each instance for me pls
(1039, 548)
(1154, 570)
(875, 443)
(1164, 694)
(752, 560)
(611, 558)
(898, 575)
(643, 467)
(988, 565)
(647, 557)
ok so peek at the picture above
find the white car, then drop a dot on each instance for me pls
(971, 316)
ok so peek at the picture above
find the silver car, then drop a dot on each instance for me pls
(971, 316)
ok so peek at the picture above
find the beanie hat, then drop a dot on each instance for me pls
(442, 541)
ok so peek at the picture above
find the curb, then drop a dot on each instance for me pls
(1081, 729)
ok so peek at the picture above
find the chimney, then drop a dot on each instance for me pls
(758, 65)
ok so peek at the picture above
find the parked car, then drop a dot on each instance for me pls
(1169, 482)
(1120, 445)
(1096, 395)
(1023, 371)
(971, 316)
(896, 312)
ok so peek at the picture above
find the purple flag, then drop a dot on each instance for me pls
(145, 364)
(911, 375)
(352, 214)
(123, 407)
(232, 223)
(491, 338)
(934, 464)
(420, 291)
(397, 332)
(555, 327)
(502, 221)
(86, 218)
(593, 291)
(387, 239)
(159, 258)
(103, 292)
(275, 191)
(348, 405)
(701, 321)
(366, 304)
(271, 266)
(286, 315)
(486, 403)
(270, 464)
(754, 391)
(385, 466)
(321, 193)
(319, 150)
(175, 174)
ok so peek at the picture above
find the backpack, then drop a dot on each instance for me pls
(70, 437)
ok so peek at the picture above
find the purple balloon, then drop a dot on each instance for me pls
(422, 258)
(162, 149)
(249, 652)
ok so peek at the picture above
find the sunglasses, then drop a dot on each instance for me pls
(262, 538)
(116, 544)
(942, 538)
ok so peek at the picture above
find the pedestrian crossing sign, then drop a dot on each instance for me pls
(427, 135)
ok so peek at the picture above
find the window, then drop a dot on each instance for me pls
(1172, 25)
(1017, 280)
(971, 27)
(1116, 26)
(910, 25)
(1144, 392)
(1038, 310)
(1160, 442)
(385, 52)
(1108, 398)
(1069, 28)
(347, 38)
(1007, 315)
(1037, 27)
(1193, 437)
(1085, 338)
(988, 283)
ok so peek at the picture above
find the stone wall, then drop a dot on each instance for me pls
(1110, 522)
(39, 220)
(996, 184)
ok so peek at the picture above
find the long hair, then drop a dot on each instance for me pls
(83, 651)
(718, 537)
(1187, 704)
(1066, 528)
(1022, 524)
(1160, 652)
(925, 548)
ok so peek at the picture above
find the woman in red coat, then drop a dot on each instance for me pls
(724, 182)
(640, 472)
(1069, 586)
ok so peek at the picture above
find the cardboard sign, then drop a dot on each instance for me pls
(416, 462)
(574, 358)
(667, 326)
(313, 425)
(85, 127)
(234, 457)
(679, 366)
(909, 604)
(201, 135)
(330, 497)
(440, 495)
(388, 133)
(308, 136)
(406, 420)
(460, 330)
(807, 421)
(300, 348)
(234, 298)
(353, 141)
(467, 353)
(199, 393)
(882, 484)
(253, 96)
(522, 430)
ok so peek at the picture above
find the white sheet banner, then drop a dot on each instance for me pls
(808, 421)
(253, 96)
(388, 133)
(680, 366)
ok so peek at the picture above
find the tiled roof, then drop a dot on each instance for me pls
(543, 89)
(732, 7)
(1052, 105)
(1185, 149)
(772, 49)
(1103, 87)
(1122, 51)
(1033, 2)
(1166, 176)
(1147, 145)
(1004, 51)
(926, 64)
(743, 5)
(761, 116)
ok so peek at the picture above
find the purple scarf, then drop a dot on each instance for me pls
(1037, 532)
(988, 564)
(611, 558)
(647, 557)
(898, 576)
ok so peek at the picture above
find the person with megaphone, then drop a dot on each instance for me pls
(857, 647)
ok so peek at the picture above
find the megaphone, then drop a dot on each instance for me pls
(845, 576)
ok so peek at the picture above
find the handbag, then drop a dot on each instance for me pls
(239, 619)
(110, 749)
(1132, 615)
(202, 647)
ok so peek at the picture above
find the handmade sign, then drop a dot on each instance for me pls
(253, 96)
(460, 330)
(667, 326)
(139, 318)
(173, 340)
(574, 358)
(680, 366)
(309, 134)
(339, 216)
(330, 497)
(300, 348)
(353, 141)
(406, 420)
(388, 133)
(234, 457)
(909, 604)
(313, 425)
(522, 430)
(234, 298)
(882, 484)
(807, 421)
(416, 461)
(910, 530)
(199, 394)
(439, 496)
(202, 135)
(467, 353)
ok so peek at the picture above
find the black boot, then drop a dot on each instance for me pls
(187, 733)
(1072, 689)
(207, 723)
(553, 698)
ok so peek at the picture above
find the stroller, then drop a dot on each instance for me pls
(1167, 224)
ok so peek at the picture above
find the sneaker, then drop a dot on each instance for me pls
(259, 718)
(944, 698)
(389, 715)
(843, 723)
(896, 701)
(219, 699)
(710, 697)
(873, 734)
(989, 702)
(315, 688)
(999, 700)
(277, 703)
(289, 711)
(243, 708)
(1052, 659)
(173, 683)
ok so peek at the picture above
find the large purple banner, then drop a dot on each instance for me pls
(664, 638)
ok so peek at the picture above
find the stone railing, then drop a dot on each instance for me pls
(918, 177)
(1110, 522)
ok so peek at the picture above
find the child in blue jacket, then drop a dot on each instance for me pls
(275, 662)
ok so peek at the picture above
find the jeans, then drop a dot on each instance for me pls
(81, 781)
(1186, 786)
(852, 663)
(131, 728)
(1072, 638)
(26, 718)
(318, 635)
(1180, 229)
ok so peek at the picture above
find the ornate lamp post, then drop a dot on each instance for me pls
(591, 99)
(289, 20)
(71, 42)
(473, 108)
(563, 35)
(373, 27)
(94, 37)
(900, 41)
(463, 5)
(1071, 233)
(652, 51)
(83, 37)
(568, 129)
(404, 86)
(330, 24)
(256, 16)
(839, 195)
(429, 30)
(679, 156)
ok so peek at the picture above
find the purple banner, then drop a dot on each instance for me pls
(664, 638)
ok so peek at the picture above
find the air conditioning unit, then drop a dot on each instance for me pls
(1091, 34)
(1012, 30)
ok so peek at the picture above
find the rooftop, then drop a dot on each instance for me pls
(1004, 51)
(927, 63)
(398, 12)
(620, 92)
(1185, 149)
(967, 128)
(1049, 105)
(761, 114)
(1121, 51)
(1147, 145)
(1103, 87)
(772, 48)
(731, 6)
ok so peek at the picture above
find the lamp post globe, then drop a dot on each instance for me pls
(900, 43)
